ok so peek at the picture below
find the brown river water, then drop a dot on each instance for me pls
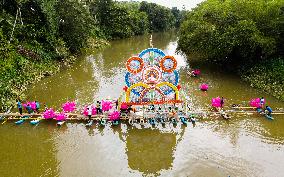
(246, 145)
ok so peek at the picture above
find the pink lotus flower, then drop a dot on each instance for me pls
(69, 106)
(61, 116)
(94, 110)
(204, 87)
(255, 102)
(106, 105)
(32, 105)
(114, 116)
(216, 102)
(123, 106)
(49, 114)
(196, 72)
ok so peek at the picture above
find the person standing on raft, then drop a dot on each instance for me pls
(269, 110)
(262, 102)
(222, 102)
(98, 107)
(89, 110)
(20, 107)
(29, 109)
(37, 106)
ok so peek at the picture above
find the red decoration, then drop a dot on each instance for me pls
(132, 70)
(125, 88)
(163, 66)
(178, 87)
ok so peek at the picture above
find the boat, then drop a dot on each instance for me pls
(34, 122)
(90, 123)
(268, 117)
(60, 123)
(21, 120)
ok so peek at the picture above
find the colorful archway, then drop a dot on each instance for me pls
(170, 85)
(139, 84)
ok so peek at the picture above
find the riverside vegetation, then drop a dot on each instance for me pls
(38, 37)
(246, 35)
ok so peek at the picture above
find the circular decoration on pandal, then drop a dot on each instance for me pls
(166, 66)
(151, 75)
(131, 79)
(172, 77)
(134, 65)
(152, 56)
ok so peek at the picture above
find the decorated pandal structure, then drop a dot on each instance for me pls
(152, 94)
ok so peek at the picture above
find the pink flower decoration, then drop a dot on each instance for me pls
(216, 102)
(196, 72)
(114, 116)
(123, 106)
(204, 87)
(61, 116)
(69, 106)
(94, 110)
(32, 105)
(49, 114)
(106, 105)
(255, 102)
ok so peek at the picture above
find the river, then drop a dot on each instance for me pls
(246, 145)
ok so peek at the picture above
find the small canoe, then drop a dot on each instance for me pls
(174, 121)
(34, 122)
(90, 123)
(268, 117)
(115, 122)
(19, 122)
(152, 121)
(183, 120)
(60, 123)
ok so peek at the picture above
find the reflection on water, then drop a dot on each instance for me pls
(247, 145)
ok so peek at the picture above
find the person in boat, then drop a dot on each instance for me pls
(116, 104)
(89, 110)
(29, 109)
(45, 107)
(37, 106)
(222, 102)
(20, 107)
(269, 110)
(98, 107)
(262, 102)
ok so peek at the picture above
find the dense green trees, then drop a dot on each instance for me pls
(237, 31)
(37, 35)
(244, 34)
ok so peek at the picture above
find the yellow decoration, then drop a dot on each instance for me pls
(170, 85)
(127, 96)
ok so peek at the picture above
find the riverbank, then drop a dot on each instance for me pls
(267, 76)
(22, 67)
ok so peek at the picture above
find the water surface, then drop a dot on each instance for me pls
(246, 145)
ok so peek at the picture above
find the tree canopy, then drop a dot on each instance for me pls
(237, 31)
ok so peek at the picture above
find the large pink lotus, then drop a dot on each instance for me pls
(106, 105)
(69, 106)
(216, 102)
(204, 87)
(123, 106)
(49, 114)
(255, 102)
(114, 116)
(32, 104)
(196, 72)
(60, 116)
